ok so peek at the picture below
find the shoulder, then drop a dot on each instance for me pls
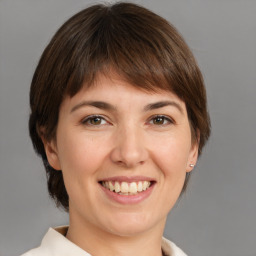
(34, 252)
(50, 237)
(171, 249)
(55, 243)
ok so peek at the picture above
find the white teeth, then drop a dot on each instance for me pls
(133, 188)
(111, 187)
(140, 187)
(145, 185)
(125, 188)
(117, 187)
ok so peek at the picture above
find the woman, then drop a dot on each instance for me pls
(119, 117)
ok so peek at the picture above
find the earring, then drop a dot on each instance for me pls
(192, 165)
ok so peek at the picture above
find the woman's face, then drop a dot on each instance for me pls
(124, 154)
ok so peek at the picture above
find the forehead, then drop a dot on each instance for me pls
(109, 79)
(118, 92)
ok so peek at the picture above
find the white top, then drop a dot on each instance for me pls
(55, 243)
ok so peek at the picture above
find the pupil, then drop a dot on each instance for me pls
(96, 120)
(158, 120)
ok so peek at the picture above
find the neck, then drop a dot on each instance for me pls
(99, 242)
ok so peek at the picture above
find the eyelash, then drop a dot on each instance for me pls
(90, 118)
(165, 118)
(151, 119)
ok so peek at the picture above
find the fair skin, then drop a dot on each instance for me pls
(115, 133)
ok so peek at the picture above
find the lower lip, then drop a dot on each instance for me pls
(128, 199)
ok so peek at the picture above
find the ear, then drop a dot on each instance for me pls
(193, 154)
(51, 151)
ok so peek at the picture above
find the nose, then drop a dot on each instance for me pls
(129, 150)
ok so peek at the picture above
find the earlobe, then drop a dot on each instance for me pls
(193, 155)
(51, 153)
(192, 159)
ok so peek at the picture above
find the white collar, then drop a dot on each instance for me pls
(55, 243)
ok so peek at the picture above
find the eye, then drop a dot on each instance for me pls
(94, 121)
(160, 120)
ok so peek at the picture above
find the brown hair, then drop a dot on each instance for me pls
(140, 46)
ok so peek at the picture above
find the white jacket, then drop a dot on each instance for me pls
(55, 243)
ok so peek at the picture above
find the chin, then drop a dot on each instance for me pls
(132, 224)
(128, 230)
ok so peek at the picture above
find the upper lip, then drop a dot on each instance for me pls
(127, 178)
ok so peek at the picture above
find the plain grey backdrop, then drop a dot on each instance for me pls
(217, 215)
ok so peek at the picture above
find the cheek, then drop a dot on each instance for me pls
(171, 160)
(77, 156)
(172, 155)
(79, 165)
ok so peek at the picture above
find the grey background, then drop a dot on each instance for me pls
(217, 214)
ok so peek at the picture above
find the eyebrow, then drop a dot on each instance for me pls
(97, 104)
(106, 106)
(162, 104)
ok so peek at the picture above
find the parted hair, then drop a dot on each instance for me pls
(140, 46)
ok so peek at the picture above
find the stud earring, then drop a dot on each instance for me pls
(192, 165)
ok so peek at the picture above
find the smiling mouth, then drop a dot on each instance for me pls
(126, 188)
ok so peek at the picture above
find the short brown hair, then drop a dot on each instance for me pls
(140, 46)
